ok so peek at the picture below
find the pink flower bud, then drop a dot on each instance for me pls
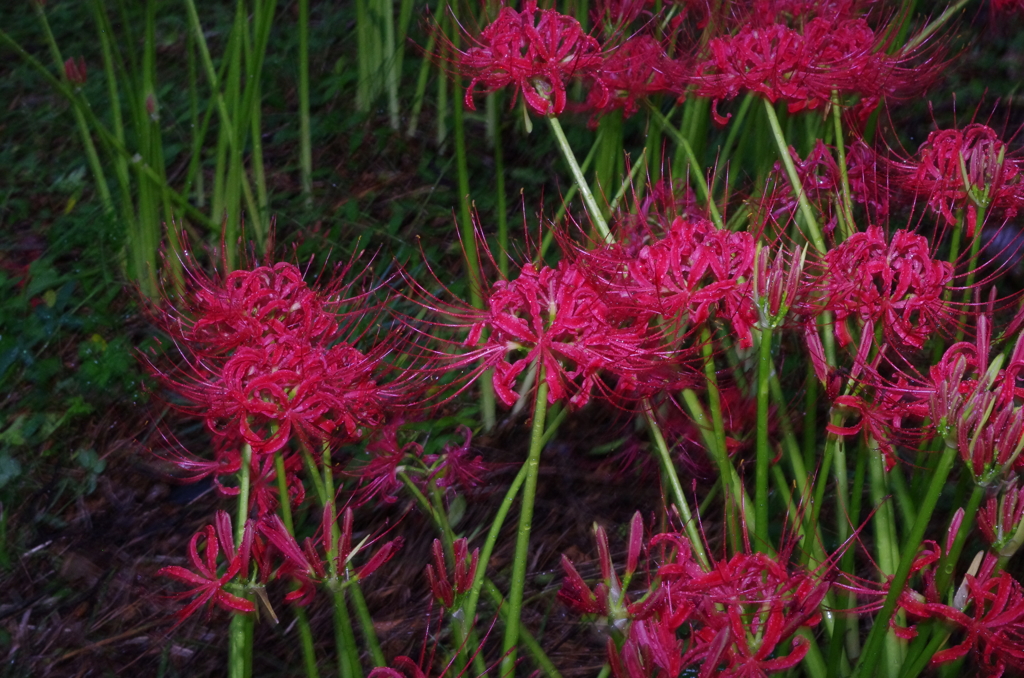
(75, 71)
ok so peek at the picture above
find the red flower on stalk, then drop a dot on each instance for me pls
(968, 169)
(446, 589)
(894, 283)
(566, 325)
(633, 71)
(691, 272)
(989, 610)
(803, 68)
(208, 585)
(535, 50)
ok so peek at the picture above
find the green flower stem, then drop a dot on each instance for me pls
(494, 124)
(518, 582)
(344, 637)
(302, 621)
(529, 642)
(676, 488)
(549, 237)
(314, 476)
(929, 645)
(490, 541)
(366, 624)
(880, 630)
(844, 176)
(240, 631)
(810, 221)
(734, 492)
(765, 368)
(696, 171)
(305, 141)
(596, 215)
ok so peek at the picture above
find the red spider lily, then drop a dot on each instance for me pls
(895, 283)
(307, 564)
(965, 169)
(633, 71)
(748, 607)
(803, 68)
(608, 599)
(251, 308)
(693, 271)
(564, 324)
(378, 477)
(75, 71)
(208, 585)
(775, 289)
(535, 50)
(456, 466)
(1001, 520)
(446, 590)
(989, 611)
(268, 394)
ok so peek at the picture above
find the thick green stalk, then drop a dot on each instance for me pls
(494, 125)
(549, 237)
(239, 632)
(305, 142)
(844, 175)
(765, 367)
(596, 215)
(302, 621)
(366, 624)
(490, 541)
(880, 630)
(518, 583)
(676, 488)
(810, 221)
(344, 637)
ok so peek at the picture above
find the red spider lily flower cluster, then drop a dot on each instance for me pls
(312, 563)
(893, 282)
(742, 614)
(802, 67)
(266, 365)
(988, 610)
(967, 169)
(447, 589)
(630, 73)
(209, 586)
(534, 50)
(566, 325)
(1001, 520)
(694, 271)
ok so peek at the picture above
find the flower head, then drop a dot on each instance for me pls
(534, 50)
(968, 169)
(803, 67)
(629, 74)
(892, 282)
